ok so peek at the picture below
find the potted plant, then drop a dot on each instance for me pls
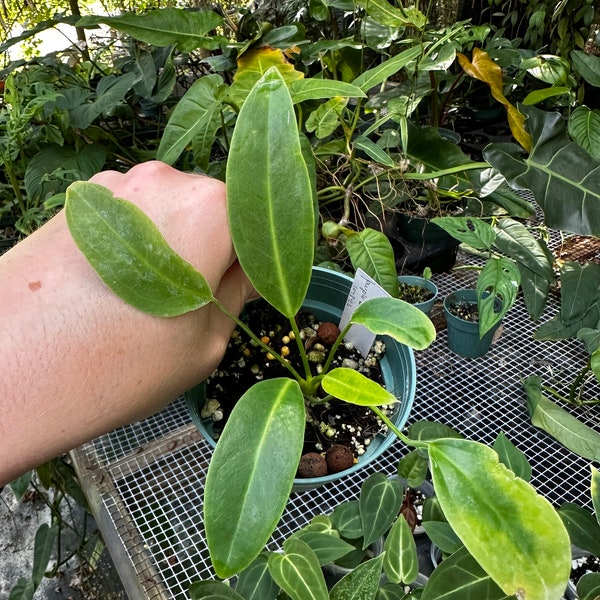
(418, 290)
(258, 488)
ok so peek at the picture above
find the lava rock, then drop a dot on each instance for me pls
(312, 464)
(339, 458)
(328, 333)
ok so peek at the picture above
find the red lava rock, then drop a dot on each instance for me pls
(339, 458)
(328, 333)
(312, 464)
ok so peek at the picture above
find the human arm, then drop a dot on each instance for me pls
(75, 360)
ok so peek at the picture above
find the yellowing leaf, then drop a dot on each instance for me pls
(485, 69)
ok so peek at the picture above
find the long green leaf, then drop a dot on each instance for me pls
(191, 115)
(269, 196)
(377, 75)
(165, 27)
(564, 178)
(298, 572)
(45, 537)
(130, 254)
(246, 491)
(379, 503)
(459, 577)
(512, 532)
(595, 492)
(401, 562)
(583, 528)
(318, 89)
(372, 251)
(512, 457)
(361, 583)
(398, 319)
(560, 424)
(354, 387)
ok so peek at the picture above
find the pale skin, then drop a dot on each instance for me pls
(75, 360)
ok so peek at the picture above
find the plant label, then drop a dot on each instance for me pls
(363, 288)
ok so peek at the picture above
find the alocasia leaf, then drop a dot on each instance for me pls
(584, 128)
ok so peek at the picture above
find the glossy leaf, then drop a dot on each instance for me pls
(474, 232)
(398, 319)
(512, 457)
(595, 492)
(354, 387)
(255, 582)
(413, 467)
(485, 69)
(582, 526)
(499, 278)
(327, 547)
(345, 517)
(588, 587)
(372, 251)
(401, 562)
(319, 89)
(247, 491)
(560, 424)
(130, 254)
(459, 577)
(584, 128)
(361, 583)
(373, 151)
(267, 181)
(564, 178)
(191, 115)
(518, 538)
(164, 27)
(213, 590)
(587, 65)
(579, 302)
(377, 75)
(442, 535)
(298, 572)
(379, 501)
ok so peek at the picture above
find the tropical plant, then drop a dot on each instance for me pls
(279, 265)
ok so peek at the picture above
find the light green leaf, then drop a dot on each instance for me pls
(372, 251)
(518, 539)
(268, 422)
(512, 457)
(459, 577)
(373, 151)
(413, 467)
(130, 254)
(255, 582)
(499, 278)
(361, 583)
(468, 230)
(165, 27)
(560, 424)
(584, 128)
(318, 89)
(326, 118)
(537, 96)
(401, 562)
(583, 528)
(387, 14)
(398, 319)
(267, 182)
(191, 115)
(298, 572)
(354, 387)
(377, 75)
(379, 502)
(595, 492)
(213, 590)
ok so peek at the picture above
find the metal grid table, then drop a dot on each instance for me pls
(145, 481)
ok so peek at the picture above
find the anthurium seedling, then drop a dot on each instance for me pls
(267, 181)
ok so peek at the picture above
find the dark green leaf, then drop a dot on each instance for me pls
(431, 430)
(459, 577)
(267, 181)
(380, 500)
(20, 484)
(584, 128)
(560, 424)
(512, 457)
(268, 422)
(595, 492)
(298, 572)
(442, 535)
(165, 27)
(413, 467)
(346, 519)
(564, 178)
(130, 254)
(255, 582)
(588, 587)
(474, 232)
(583, 528)
(373, 151)
(401, 562)
(519, 525)
(45, 538)
(327, 547)
(213, 590)
(587, 65)
(23, 590)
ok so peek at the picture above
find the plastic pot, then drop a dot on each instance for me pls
(427, 305)
(326, 298)
(463, 335)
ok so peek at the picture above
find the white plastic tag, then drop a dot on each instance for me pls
(363, 288)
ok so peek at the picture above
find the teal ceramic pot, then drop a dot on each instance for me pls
(424, 283)
(326, 298)
(463, 336)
